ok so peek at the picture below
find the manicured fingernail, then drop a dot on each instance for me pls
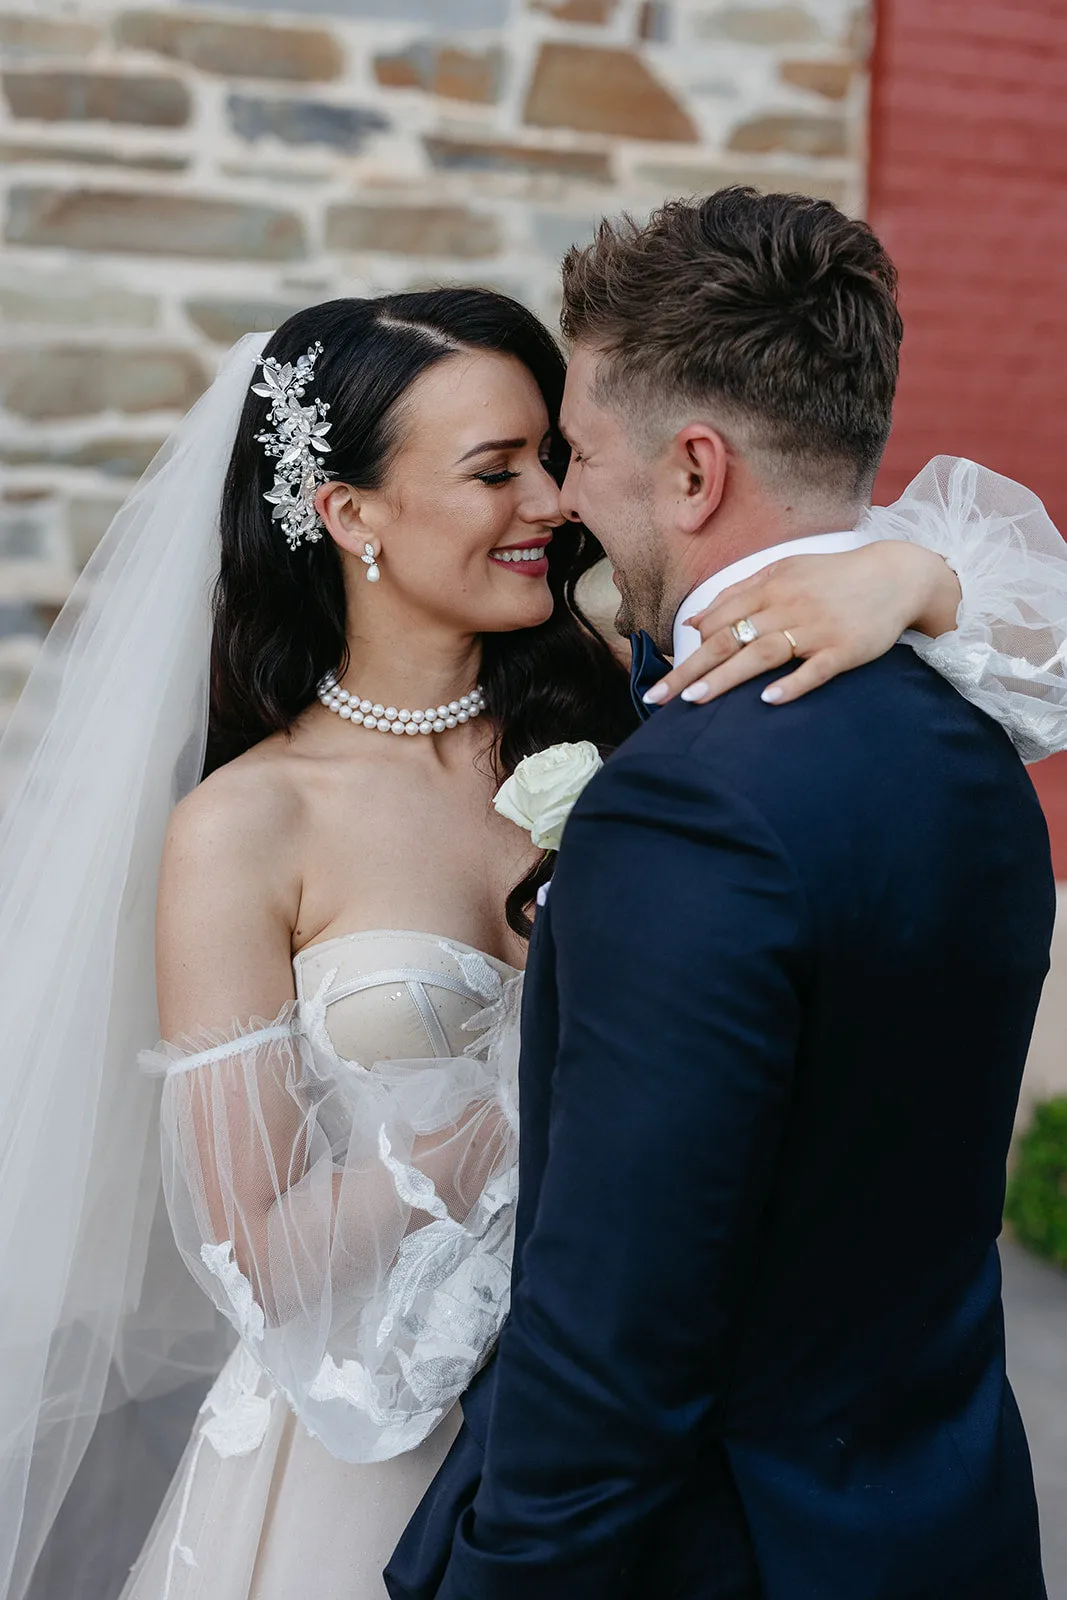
(695, 693)
(772, 694)
(656, 695)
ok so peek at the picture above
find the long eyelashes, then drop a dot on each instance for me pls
(494, 479)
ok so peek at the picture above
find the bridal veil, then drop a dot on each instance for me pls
(96, 1306)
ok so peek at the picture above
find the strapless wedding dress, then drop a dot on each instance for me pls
(358, 1351)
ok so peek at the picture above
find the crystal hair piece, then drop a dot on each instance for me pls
(300, 431)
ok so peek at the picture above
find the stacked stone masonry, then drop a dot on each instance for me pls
(174, 176)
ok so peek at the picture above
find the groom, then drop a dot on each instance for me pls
(778, 1003)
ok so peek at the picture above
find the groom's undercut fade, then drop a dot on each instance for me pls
(776, 310)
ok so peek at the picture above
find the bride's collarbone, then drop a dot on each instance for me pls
(422, 850)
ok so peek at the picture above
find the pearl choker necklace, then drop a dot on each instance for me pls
(387, 719)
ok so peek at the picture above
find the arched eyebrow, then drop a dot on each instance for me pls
(493, 444)
(499, 444)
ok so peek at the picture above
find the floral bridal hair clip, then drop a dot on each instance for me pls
(296, 445)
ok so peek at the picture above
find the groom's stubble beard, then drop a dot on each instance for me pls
(646, 593)
(639, 562)
(642, 604)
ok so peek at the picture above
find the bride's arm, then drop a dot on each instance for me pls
(353, 1221)
(843, 610)
(227, 901)
(967, 568)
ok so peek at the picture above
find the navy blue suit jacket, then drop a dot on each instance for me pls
(776, 1014)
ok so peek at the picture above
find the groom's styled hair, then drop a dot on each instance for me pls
(777, 311)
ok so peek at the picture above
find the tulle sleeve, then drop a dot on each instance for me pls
(1007, 653)
(354, 1223)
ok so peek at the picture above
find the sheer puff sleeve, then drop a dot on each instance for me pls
(354, 1224)
(1008, 651)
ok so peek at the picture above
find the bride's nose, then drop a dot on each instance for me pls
(542, 504)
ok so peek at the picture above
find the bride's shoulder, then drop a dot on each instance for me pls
(251, 801)
(237, 830)
(229, 892)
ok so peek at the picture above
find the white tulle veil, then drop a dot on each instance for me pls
(95, 1304)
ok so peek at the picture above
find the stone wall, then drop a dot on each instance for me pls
(176, 176)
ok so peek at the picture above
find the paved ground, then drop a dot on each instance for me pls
(1035, 1303)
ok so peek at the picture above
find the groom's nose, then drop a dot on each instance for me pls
(567, 503)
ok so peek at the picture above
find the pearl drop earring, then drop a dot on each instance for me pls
(370, 561)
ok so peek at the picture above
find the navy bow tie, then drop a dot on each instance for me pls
(647, 668)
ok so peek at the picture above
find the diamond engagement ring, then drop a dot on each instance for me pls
(745, 631)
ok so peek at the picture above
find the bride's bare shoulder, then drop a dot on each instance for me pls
(253, 803)
(234, 841)
(229, 893)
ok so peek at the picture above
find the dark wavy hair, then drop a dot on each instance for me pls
(280, 614)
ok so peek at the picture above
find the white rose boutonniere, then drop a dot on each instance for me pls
(541, 792)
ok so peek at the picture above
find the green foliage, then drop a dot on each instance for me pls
(1037, 1191)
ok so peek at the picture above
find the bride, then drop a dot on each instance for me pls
(341, 915)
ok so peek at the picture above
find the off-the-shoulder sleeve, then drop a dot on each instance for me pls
(354, 1224)
(1008, 652)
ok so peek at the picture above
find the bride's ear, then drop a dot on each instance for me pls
(341, 510)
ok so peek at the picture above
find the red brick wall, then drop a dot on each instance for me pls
(968, 189)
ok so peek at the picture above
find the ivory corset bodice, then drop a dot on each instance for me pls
(397, 995)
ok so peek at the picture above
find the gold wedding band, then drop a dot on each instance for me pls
(792, 642)
(744, 631)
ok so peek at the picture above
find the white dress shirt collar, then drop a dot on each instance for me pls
(686, 639)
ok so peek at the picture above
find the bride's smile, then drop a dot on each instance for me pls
(530, 560)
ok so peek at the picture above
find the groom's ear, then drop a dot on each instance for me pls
(700, 459)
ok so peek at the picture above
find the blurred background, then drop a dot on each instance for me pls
(175, 175)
